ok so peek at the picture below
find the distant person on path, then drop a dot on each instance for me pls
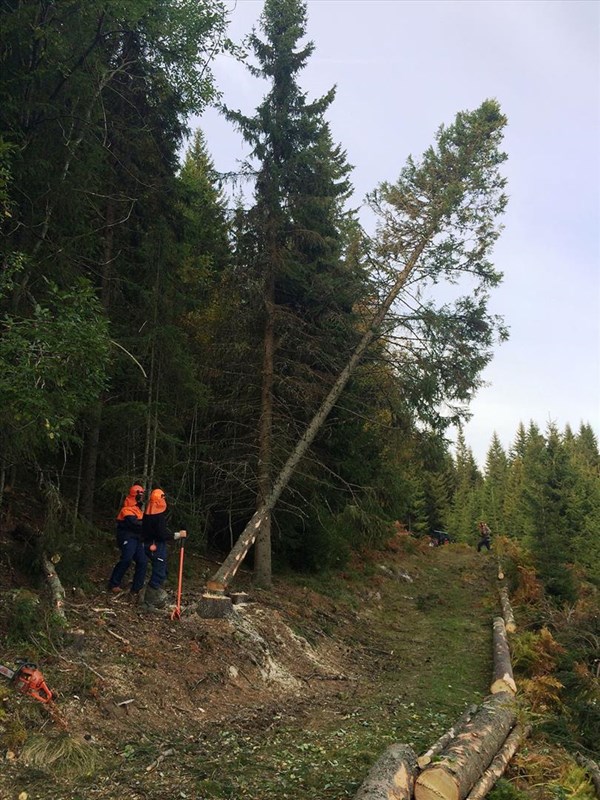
(156, 535)
(129, 539)
(485, 537)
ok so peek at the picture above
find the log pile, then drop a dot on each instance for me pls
(467, 756)
(466, 762)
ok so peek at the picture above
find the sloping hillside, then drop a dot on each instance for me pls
(298, 693)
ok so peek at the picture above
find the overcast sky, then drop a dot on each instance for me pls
(401, 68)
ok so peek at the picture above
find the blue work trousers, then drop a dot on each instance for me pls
(158, 559)
(132, 549)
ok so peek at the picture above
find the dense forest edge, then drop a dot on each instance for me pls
(244, 343)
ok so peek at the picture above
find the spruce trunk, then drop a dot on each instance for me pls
(503, 680)
(467, 756)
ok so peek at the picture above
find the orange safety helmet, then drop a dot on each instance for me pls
(157, 502)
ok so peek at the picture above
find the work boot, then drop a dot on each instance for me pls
(157, 598)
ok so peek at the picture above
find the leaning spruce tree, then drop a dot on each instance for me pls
(438, 222)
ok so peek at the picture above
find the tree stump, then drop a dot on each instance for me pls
(468, 755)
(392, 777)
(503, 680)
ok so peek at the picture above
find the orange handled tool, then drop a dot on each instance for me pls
(176, 613)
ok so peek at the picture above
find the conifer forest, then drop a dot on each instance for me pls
(259, 350)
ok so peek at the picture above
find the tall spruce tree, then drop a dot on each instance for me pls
(300, 183)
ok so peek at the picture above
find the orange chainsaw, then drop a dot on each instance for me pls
(28, 679)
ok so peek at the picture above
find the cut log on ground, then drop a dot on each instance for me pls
(56, 587)
(503, 680)
(392, 777)
(592, 769)
(498, 766)
(447, 737)
(467, 756)
(507, 612)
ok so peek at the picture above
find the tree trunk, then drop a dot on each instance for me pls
(262, 553)
(56, 587)
(498, 766)
(507, 612)
(447, 737)
(392, 777)
(503, 680)
(91, 443)
(468, 755)
(230, 566)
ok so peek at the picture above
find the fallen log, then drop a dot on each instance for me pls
(392, 777)
(503, 680)
(468, 755)
(507, 612)
(499, 764)
(592, 769)
(56, 587)
(446, 738)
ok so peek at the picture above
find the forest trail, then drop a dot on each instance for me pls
(300, 692)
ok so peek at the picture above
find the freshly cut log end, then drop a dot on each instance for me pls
(436, 784)
(467, 756)
(392, 777)
(504, 684)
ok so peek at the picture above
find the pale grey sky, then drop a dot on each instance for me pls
(401, 69)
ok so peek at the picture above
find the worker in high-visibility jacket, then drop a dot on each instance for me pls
(129, 540)
(156, 535)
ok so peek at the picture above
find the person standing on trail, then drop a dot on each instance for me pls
(156, 535)
(485, 537)
(129, 540)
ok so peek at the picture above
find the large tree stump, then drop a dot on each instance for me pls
(447, 737)
(467, 756)
(503, 680)
(499, 764)
(507, 612)
(392, 777)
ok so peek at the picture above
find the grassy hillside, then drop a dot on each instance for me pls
(295, 697)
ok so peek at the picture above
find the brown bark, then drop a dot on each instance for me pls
(503, 680)
(262, 552)
(392, 777)
(91, 444)
(467, 756)
(507, 612)
(56, 587)
(498, 766)
(447, 737)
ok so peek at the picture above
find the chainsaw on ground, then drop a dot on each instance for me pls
(28, 679)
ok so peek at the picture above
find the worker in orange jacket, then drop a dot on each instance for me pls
(156, 535)
(129, 540)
